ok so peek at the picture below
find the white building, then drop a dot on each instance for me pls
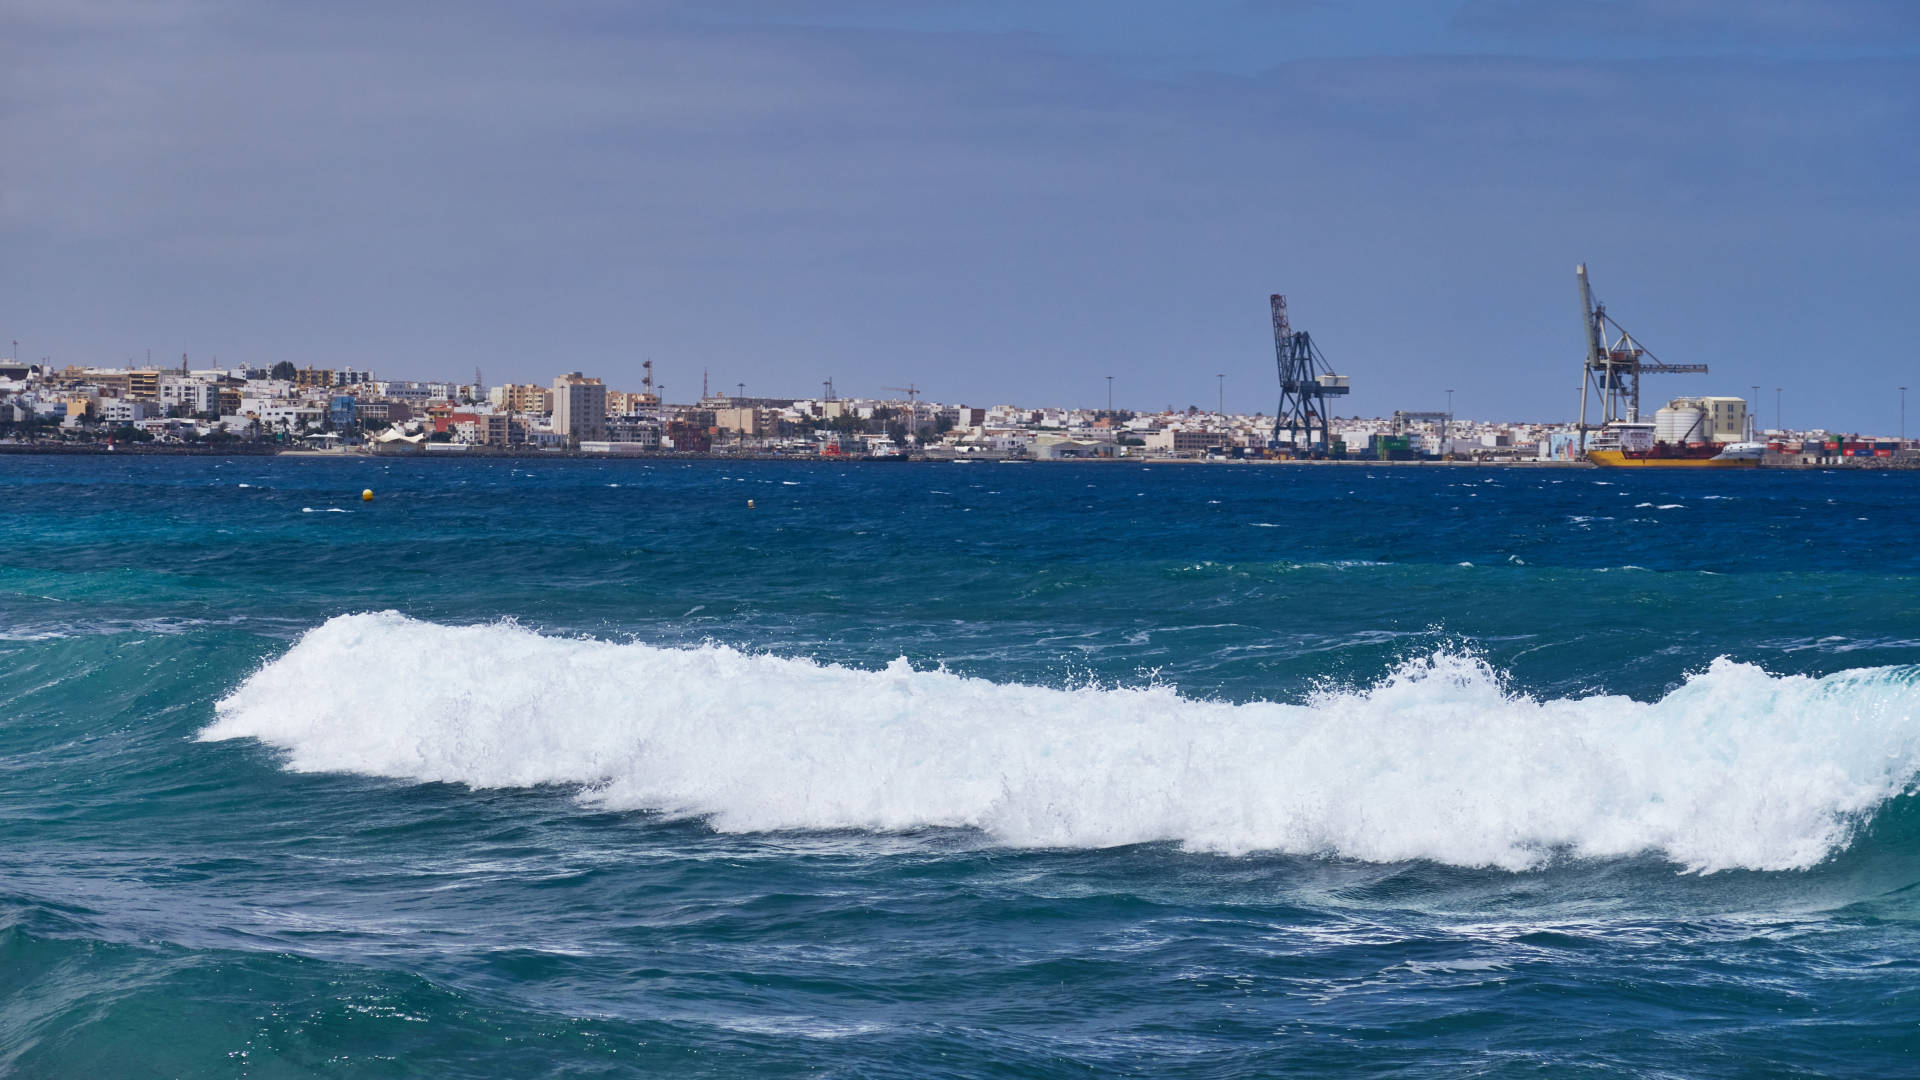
(644, 434)
(122, 410)
(413, 393)
(195, 395)
(292, 416)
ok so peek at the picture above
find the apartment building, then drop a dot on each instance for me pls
(579, 407)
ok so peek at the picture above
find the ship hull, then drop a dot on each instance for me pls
(1617, 459)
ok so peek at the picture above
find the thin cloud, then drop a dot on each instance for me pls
(1891, 24)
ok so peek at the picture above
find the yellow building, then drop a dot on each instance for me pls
(626, 402)
(108, 383)
(143, 385)
(313, 376)
(522, 398)
(742, 421)
(1726, 418)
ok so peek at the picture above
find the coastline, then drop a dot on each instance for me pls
(1784, 462)
(492, 453)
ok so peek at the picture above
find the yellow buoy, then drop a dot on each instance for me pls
(367, 495)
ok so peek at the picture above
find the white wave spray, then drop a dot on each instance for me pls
(1736, 768)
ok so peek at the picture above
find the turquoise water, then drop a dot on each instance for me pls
(587, 769)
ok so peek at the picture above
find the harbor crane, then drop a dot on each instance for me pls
(1401, 418)
(1612, 371)
(1306, 382)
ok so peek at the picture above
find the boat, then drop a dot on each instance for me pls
(1666, 457)
(1632, 445)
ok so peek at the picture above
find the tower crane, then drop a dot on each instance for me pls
(913, 407)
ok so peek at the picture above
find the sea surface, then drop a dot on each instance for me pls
(651, 768)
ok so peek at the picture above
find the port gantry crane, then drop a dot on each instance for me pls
(1401, 418)
(1612, 371)
(1306, 382)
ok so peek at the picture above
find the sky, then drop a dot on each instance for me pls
(991, 200)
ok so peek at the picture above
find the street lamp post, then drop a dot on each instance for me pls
(1223, 394)
(1109, 398)
(1777, 425)
(1903, 414)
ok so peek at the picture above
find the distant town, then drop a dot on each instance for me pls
(309, 410)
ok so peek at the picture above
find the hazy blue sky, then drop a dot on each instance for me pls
(995, 200)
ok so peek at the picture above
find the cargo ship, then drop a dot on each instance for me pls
(1732, 456)
(1634, 445)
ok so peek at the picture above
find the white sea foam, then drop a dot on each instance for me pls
(1736, 768)
(17, 634)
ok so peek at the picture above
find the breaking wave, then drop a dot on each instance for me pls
(1438, 760)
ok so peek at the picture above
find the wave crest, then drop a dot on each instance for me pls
(1736, 768)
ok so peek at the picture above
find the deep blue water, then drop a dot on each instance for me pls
(587, 769)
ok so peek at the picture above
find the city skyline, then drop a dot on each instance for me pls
(983, 200)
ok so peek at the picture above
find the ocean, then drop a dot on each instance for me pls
(589, 769)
